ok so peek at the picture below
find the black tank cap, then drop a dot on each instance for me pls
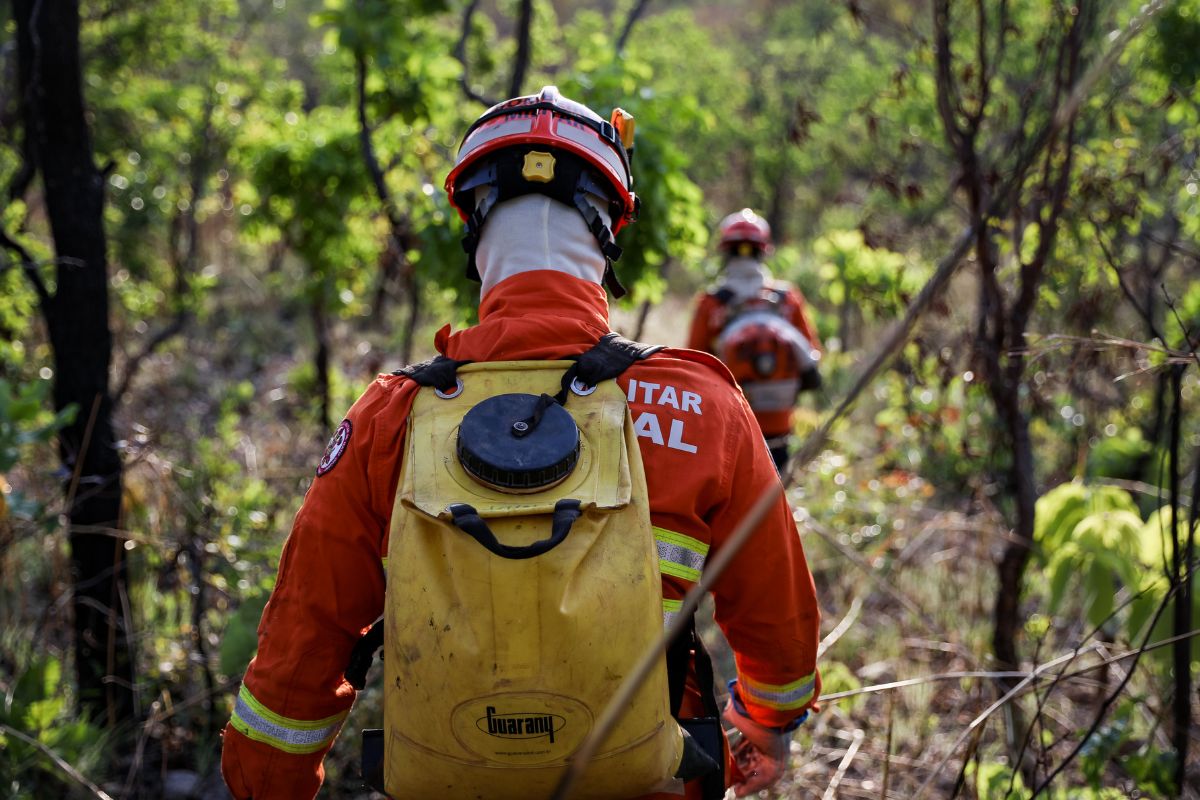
(492, 453)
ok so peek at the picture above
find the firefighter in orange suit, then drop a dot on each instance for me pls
(543, 263)
(759, 327)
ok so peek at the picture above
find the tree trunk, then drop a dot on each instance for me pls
(77, 320)
(1011, 571)
(321, 356)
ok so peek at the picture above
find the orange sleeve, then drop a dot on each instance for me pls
(765, 601)
(798, 316)
(701, 336)
(330, 587)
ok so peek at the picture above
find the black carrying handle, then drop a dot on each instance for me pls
(467, 519)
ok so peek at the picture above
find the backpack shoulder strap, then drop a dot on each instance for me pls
(606, 359)
(610, 357)
(439, 372)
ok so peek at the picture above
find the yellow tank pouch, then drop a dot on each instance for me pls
(495, 667)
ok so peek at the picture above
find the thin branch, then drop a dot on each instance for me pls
(982, 54)
(948, 104)
(1176, 247)
(1110, 257)
(1112, 697)
(835, 782)
(460, 53)
(840, 629)
(1141, 487)
(524, 47)
(399, 223)
(400, 235)
(23, 177)
(1183, 326)
(134, 364)
(879, 577)
(634, 14)
(1028, 680)
(942, 676)
(31, 270)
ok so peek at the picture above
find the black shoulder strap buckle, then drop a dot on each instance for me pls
(607, 359)
(439, 372)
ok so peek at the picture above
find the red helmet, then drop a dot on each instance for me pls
(744, 227)
(549, 144)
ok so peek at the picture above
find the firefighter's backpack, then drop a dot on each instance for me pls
(522, 585)
(769, 357)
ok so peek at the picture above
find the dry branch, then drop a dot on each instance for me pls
(59, 762)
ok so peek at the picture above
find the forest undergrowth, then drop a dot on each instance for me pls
(266, 175)
(899, 518)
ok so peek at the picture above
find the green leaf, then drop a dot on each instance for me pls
(241, 634)
(1057, 513)
(1098, 592)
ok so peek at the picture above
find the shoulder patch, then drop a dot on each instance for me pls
(336, 447)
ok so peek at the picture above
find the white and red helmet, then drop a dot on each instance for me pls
(547, 119)
(550, 145)
(744, 228)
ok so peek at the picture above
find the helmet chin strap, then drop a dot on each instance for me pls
(534, 232)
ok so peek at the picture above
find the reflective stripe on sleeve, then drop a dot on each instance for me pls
(786, 697)
(670, 611)
(298, 736)
(679, 555)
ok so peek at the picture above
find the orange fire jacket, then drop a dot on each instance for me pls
(705, 467)
(710, 319)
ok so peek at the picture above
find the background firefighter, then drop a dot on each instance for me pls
(759, 327)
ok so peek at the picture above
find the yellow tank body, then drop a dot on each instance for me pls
(495, 669)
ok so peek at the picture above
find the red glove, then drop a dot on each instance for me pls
(760, 754)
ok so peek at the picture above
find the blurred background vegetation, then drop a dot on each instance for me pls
(1010, 506)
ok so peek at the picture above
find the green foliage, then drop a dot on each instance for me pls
(672, 224)
(878, 283)
(239, 195)
(1060, 510)
(837, 677)
(993, 780)
(1177, 45)
(240, 641)
(24, 424)
(1122, 456)
(1151, 768)
(36, 706)
(1092, 537)
(1094, 546)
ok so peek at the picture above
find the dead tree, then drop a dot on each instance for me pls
(980, 136)
(58, 142)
